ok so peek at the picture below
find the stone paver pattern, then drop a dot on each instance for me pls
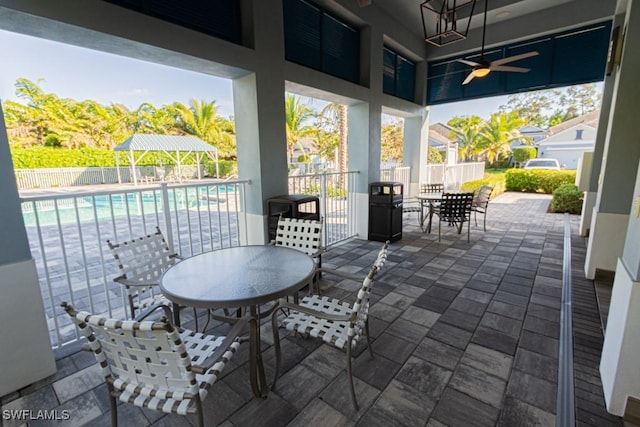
(464, 334)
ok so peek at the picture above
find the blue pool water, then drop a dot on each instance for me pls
(106, 206)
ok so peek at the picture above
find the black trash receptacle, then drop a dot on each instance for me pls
(385, 211)
(300, 206)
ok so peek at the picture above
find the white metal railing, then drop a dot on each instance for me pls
(68, 234)
(337, 201)
(397, 174)
(453, 176)
(66, 177)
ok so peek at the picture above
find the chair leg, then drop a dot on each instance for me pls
(276, 344)
(195, 318)
(132, 309)
(439, 228)
(112, 405)
(366, 330)
(199, 415)
(475, 217)
(350, 373)
(485, 219)
(468, 229)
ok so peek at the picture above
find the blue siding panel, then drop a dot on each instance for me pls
(540, 74)
(574, 59)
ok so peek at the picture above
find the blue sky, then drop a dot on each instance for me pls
(73, 72)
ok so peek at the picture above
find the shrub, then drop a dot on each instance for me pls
(537, 180)
(495, 181)
(226, 167)
(567, 198)
(522, 154)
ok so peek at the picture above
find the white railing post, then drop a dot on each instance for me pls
(323, 203)
(166, 213)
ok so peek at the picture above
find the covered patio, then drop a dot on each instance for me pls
(464, 334)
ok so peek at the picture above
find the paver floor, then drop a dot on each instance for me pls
(464, 334)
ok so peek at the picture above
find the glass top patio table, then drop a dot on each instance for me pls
(236, 277)
(245, 276)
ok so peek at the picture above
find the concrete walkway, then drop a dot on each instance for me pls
(465, 334)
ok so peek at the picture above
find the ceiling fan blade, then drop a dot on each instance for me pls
(514, 58)
(464, 61)
(468, 79)
(508, 68)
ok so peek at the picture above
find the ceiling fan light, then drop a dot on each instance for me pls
(480, 72)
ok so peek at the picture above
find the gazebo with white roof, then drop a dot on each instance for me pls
(178, 148)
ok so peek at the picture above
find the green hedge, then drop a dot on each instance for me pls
(567, 198)
(496, 181)
(51, 157)
(522, 154)
(538, 180)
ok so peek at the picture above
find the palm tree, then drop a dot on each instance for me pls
(297, 114)
(467, 132)
(497, 134)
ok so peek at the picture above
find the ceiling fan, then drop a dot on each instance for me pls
(482, 67)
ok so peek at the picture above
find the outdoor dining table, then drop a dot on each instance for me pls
(429, 200)
(245, 276)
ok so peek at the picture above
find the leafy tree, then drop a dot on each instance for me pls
(466, 131)
(580, 99)
(497, 134)
(530, 106)
(297, 115)
(434, 156)
(392, 140)
(522, 154)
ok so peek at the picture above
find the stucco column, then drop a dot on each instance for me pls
(26, 354)
(365, 122)
(620, 160)
(416, 134)
(591, 193)
(620, 362)
(258, 100)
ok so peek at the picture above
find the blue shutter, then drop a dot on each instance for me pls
(405, 79)
(571, 57)
(539, 76)
(340, 49)
(574, 60)
(389, 71)
(220, 18)
(444, 83)
(302, 33)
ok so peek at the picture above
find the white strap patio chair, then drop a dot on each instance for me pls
(155, 365)
(335, 322)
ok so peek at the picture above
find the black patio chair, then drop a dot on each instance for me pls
(455, 209)
(481, 203)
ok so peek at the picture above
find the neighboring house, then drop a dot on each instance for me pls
(569, 140)
(530, 134)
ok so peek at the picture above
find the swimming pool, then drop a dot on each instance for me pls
(88, 208)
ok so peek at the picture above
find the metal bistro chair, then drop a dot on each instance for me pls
(142, 262)
(335, 322)
(431, 188)
(455, 209)
(304, 235)
(154, 365)
(481, 203)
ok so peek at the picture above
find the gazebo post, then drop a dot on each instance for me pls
(217, 166)
(198, 164)
(179, 166)
(118, 167)
(133, 168)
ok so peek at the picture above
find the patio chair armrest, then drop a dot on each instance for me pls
(316, 313)
(149, 310)
(342, 274)
(236, 331)
(126, 282)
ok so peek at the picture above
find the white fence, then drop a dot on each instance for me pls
(337, 201)
(453, 176)
(67, 177)
(397, 174)
(68, 234)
